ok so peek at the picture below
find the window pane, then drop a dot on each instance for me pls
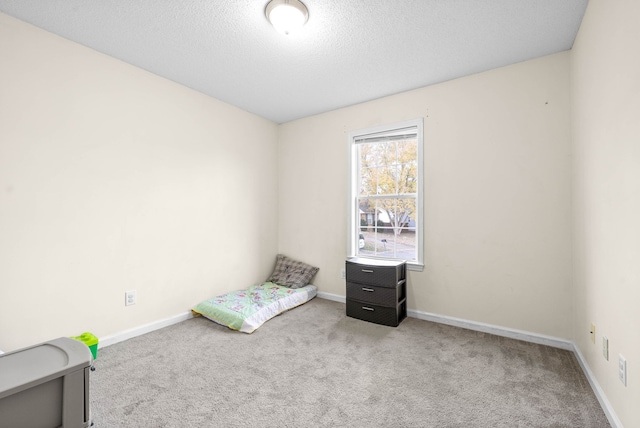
(387, 227)
(388, 168)
(407, 166)
(368, 181)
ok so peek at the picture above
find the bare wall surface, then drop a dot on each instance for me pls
(497, 194)
(606, 128)
(113, 179)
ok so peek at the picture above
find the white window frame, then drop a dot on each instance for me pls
(353, 221)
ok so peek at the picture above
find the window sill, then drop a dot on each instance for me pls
(412, 266)
(415, 266)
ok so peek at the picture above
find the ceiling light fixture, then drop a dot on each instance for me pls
(286, 16)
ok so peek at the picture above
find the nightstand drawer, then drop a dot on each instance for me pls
(390, 316)
(375, 272)
(383, 296)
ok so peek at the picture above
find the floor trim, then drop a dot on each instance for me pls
(477, 326)
(519, 335)
(597, 390)
(441, 319)
(540, 339)
(143, 329)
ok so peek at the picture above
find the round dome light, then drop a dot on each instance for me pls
(286, 16)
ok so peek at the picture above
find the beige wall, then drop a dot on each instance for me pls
(606, 127)
(497, 194)
(113, 179)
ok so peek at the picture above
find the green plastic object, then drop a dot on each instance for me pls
(90, 340)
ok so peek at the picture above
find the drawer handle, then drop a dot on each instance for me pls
(370, 290)
(367, 270)
(366, 308)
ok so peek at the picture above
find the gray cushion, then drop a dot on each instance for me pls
(292, 273)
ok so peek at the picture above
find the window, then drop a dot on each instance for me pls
(385, 193)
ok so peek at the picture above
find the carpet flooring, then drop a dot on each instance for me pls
(315, 367)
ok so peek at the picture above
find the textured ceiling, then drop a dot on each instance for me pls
(349, 52)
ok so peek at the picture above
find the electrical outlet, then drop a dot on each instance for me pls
(593, 333)
(130, 298)
(622, 369)
(605, 347)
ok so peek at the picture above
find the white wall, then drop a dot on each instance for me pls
(605, 75)
(113, 179)
(497, 194)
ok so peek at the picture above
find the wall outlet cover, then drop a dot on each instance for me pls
(622, 369)
(130, 298)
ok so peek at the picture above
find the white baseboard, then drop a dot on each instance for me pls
(597, 390)
(526, 336)
(441, 319)
(476, 326)
(540, 339)
(334, 297)
(146, 328)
